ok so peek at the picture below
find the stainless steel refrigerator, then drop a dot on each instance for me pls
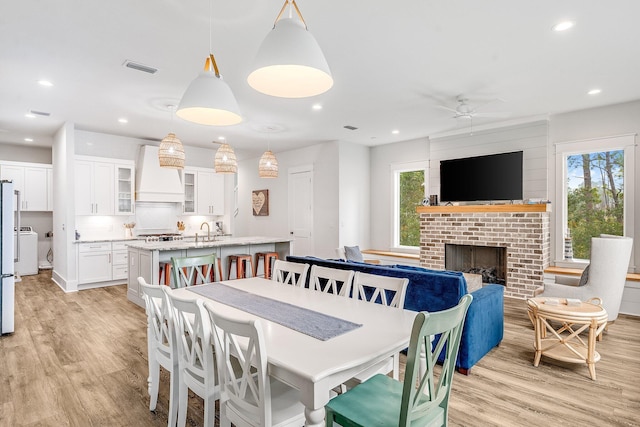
(7, 253)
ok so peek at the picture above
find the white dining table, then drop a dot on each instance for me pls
(309, 364)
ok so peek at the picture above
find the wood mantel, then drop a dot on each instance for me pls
(539, 207)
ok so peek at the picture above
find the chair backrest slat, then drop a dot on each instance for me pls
(390, 291)
(331, 280)
(290, 273)
(196, 270)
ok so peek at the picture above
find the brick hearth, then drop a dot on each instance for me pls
(522, 229)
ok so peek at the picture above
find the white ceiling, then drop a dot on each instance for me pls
(393, 63)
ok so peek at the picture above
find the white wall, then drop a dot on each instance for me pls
(64, 261)
(29, 154)
(325, 160)
(382, 157)
(531, 138)
(354, 199)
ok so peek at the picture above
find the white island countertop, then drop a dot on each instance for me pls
(190, 244)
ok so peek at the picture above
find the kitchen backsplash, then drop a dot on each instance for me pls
(149, 218)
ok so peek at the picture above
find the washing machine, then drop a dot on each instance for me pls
(28, 263)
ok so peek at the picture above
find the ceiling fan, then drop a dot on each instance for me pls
(466, 111)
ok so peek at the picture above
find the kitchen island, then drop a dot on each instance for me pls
(145, 258)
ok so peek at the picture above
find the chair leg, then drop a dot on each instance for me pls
(154, 381)
(183, 394)
(174, 388)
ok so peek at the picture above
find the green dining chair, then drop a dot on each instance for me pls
(383, 401)
(195, 270)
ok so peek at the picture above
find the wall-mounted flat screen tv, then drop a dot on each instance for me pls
(482, 178)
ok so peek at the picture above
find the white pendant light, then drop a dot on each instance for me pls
(171, 152)
(268, 165)
(208, 100)
(290, 63)
(225, 160)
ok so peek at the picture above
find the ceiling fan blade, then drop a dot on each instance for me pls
(496, 115)
(484, 104)
(453, 110)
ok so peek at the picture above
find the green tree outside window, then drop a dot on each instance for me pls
(411, 194)
(595, 197)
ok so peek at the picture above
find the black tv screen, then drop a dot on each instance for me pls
(482, 178)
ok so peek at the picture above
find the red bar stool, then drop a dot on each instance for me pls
(267, 258)
(241, 261)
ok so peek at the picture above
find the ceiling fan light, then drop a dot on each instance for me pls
(209, 101)
(225, 160)
(268, 165)
(171, 152)
(290, 63)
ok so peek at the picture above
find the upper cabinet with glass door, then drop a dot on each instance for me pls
(124, 204)
(189, 182)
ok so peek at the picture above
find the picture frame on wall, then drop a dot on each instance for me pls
(260, 202)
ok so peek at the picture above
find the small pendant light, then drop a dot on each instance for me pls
(171, 152)
(268, 165)
(225, 160)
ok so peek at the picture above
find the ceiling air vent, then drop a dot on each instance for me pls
(350, 127)
(140, 67)
(39, 113)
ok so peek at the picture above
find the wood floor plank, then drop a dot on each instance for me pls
(80, 359)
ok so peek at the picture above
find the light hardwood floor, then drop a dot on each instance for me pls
(79, 359)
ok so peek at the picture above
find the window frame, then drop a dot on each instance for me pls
(626, 143)
(396, 170)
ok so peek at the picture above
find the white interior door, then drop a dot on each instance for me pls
(301, 210)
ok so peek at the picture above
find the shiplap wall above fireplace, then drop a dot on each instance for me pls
(531, 138)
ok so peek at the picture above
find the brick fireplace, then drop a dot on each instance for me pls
(522, 230)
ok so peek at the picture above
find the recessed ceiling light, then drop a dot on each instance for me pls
(395, 131)
(28, 140)
(221, 138)
(317, 107)
(30, 115)
(123, 120)
(594, 91)
(563, 26)
(45, 83)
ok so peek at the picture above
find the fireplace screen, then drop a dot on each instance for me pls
(488, 261)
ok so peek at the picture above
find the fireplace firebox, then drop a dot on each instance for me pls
(488, 261)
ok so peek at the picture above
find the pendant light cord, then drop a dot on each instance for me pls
(284, 6)
(211, 61)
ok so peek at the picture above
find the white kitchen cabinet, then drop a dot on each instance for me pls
(94, 262)
(34, 183)
(140, 265)
(124, 181)
(94, 187)
(203, 192)
(189, 183)
(120, 261)
(210, 193)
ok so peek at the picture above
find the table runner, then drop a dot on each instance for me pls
(317, 325)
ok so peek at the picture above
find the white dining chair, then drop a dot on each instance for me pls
(331, 280)
(249, 396)
(389, 291)
(161, 346)
(195, 356)
(290, 273)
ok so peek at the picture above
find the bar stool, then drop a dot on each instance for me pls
(267, 258)
(241, 261)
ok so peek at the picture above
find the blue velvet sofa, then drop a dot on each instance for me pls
(432, 290)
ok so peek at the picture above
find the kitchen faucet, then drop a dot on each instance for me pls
(208, 230)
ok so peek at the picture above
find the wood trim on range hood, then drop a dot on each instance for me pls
(156, 184)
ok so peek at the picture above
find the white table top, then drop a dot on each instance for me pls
(314, 366)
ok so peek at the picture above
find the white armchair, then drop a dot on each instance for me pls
(605, 277)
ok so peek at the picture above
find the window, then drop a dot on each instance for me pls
(595, 190)
(595, 197)
(409, 188)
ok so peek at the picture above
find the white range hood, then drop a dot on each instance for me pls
(156, 184)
